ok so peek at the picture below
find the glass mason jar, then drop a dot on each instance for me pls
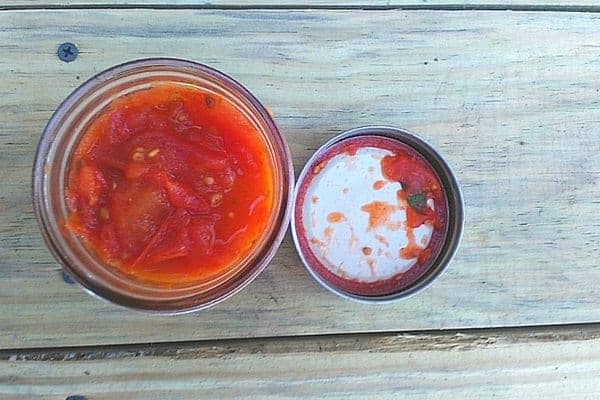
(60, 138)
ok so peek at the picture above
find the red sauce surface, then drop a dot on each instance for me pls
(170, 184)
(419, 183)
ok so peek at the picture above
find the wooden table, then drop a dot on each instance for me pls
(511, 98)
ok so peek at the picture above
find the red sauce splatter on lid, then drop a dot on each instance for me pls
(336, 217)
(378, 185)
(379, 213)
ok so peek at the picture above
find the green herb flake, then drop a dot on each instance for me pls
(418, 201)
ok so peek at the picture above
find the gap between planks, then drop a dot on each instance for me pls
(326, 7)
(432, 340)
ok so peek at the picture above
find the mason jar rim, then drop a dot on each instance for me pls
(272, 237)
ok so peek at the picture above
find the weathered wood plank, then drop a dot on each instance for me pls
(512, 100)
(473, 365)
(307, 3)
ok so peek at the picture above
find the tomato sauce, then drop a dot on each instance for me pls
(171, 184)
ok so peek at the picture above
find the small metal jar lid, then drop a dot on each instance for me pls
(410, 278)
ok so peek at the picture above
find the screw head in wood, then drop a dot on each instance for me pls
(67, 52)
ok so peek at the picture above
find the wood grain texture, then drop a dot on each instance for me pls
(511, 99)
(512, 366)
(541, 4)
